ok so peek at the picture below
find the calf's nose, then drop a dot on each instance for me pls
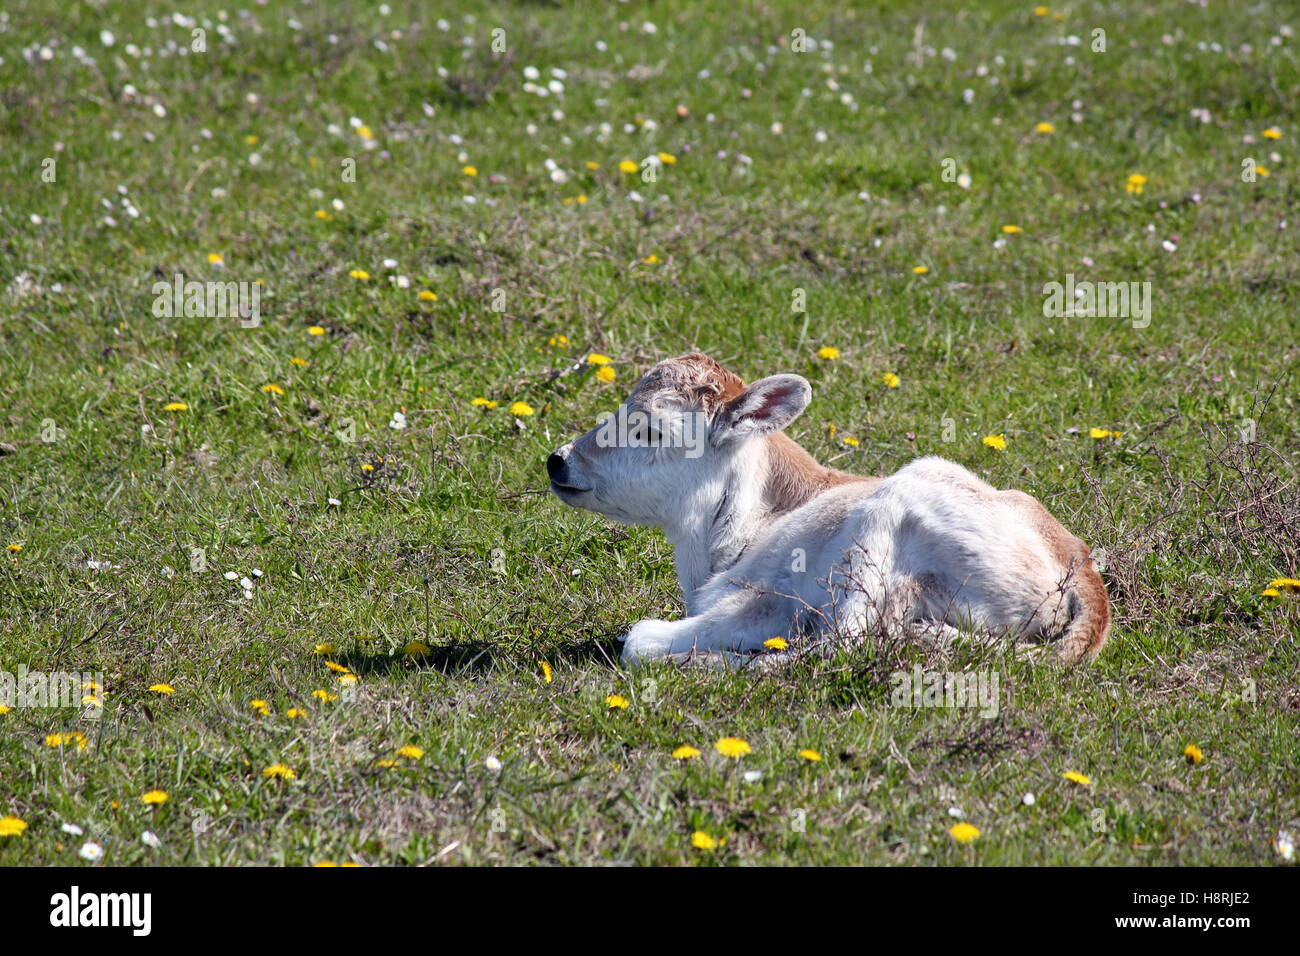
(555, 467)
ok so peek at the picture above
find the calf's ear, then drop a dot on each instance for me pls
(767, 406)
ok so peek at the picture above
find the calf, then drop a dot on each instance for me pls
(769, 543)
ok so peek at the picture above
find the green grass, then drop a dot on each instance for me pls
(451, 539)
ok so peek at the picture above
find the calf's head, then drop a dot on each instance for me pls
(678, 442)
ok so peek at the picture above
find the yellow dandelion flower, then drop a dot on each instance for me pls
(1099, 433)
(279, 771)
(685, 752)
(386, 763)
(996, 442)
(427, 296)
(920, 270)
(4, 710)
(410, 752)
(415, 649)
(175, 407)
(1041, 11)
(891, 380)
(365, 132)
(1011, 230)
(367, 467)
(702, 841)
(582, 199)
(546, 671)
(732, 747)
(1075, 777)
(606, 374)
(324, 695)
(1285, 584)
(300, 362)
(271, 388)
(155, 797)
(521, 409)
(592, 165)
(162, 689)
(1261, 171)
(321, 214)
(628, 167)
(73, 738)
(214, 259)
(293, 713)
(1045, 128)
(470, 171)
(1270, 592)
(850, 441)
(828, 352)
(668, 159)
(1193, 753)
(616, 702)
(651, 259)
(1134, 184)
(361, 274)
(595, 358)
(1272, 133)
(812, 756)
(315, 330)
(14, 548)
(776, 643)
(12, 826)
(964, 832)
(261, 707)
(348, 680)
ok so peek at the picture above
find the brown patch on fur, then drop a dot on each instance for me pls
(1089, 606)
(698, 381)
(794, 477)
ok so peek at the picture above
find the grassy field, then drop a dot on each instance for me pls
(429, 224)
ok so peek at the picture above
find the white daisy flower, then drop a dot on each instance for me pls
(1284, 844)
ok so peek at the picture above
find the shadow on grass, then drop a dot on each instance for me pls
(479, 658)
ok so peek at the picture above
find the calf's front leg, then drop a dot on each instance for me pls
(736, 625)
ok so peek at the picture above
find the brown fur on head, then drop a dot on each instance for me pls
(692, 381)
